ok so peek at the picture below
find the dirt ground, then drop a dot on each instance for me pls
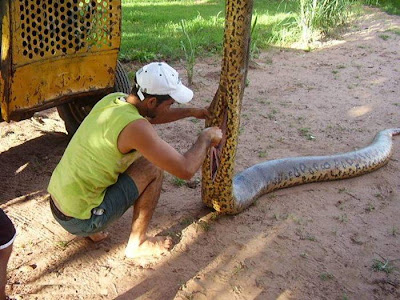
(332, 240)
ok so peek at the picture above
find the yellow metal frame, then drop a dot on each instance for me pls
(55, 51)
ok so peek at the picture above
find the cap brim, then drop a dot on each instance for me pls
(182, 94)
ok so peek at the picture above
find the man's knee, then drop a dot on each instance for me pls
(154, 171)
(143, 172)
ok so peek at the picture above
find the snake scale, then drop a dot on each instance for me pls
(231, 194)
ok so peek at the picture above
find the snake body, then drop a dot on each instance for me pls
(281, 173)
(231, 194)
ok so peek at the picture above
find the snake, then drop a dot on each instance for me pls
(228, 193)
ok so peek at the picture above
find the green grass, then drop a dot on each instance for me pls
(318, 17)
(326, 276)
(390, 6)
(395, 30)
(152, 30)
(190, 53)
(384, 37)
(342, 218)
(187, 221)
(205, 226)
(63, 244)
(306, 133)
(262, 153)
(383, 265)
(239, 268)
(178, 182)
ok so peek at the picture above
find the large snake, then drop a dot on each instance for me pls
(231, 194)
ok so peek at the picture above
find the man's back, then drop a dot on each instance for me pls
(92, 161)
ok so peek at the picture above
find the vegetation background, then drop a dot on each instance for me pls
(186, 29)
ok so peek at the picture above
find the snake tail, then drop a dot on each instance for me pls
(272, 175)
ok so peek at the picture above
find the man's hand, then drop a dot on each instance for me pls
(141, 136)
(212, 134)
(201, 113)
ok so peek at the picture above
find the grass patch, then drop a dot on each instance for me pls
(318, 17)
(190, 53)
(383, 265)
(237, 289)
(310, 238)
(342, 218)
(395, 30)
(187, 221)
(390, 6)
(326, 276)
(394, 231)
(194, 120)
(384, 37)
(262, 154)
(178, 182)
(239, 268)
(343, 190)
(205, 226)
(215, 216)
(63, 244)
(303, 255)
(262, 101)
(278, 216)
(272, 115)
(306, 133)
(303, 235)
(152, 29)
(370, 208)
(149, 33)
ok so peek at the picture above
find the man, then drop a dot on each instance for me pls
(115, 160)
(7, 236)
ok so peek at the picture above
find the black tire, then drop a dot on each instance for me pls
(73, 113)
(122, 82)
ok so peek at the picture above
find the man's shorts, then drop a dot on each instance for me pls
(118, 198)
(7, 231)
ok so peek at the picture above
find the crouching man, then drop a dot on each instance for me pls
(116, 160)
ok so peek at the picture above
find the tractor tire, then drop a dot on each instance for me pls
(73, 113)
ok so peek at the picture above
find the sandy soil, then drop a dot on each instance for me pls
(317, 241)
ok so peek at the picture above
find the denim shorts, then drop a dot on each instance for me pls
(118, 198)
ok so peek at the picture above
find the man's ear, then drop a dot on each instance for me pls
(152, 102)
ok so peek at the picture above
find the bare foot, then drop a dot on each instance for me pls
(152, 246)
(99, 236)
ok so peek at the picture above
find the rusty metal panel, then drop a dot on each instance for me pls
(60, 48)
(5, 49)
(75, 75)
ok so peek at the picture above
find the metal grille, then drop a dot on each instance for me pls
(59, 27)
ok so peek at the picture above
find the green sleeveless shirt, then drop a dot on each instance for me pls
(92, 161)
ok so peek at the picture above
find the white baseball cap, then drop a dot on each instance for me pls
(158, 78)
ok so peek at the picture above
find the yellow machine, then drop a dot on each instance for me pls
(59, 53)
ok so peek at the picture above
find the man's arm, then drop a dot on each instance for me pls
(140, 135)
(174, 114)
